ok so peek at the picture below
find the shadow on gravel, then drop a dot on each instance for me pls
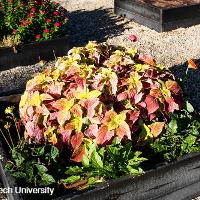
(99, 24)
(191, 82)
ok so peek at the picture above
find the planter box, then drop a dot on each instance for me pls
(160, 15)
(32, 53)
(166, 181)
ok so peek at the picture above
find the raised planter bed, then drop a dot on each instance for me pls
(32, 53)
(176, 180)
(161, 15)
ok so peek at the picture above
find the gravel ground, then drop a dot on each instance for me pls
(95, 20)
(14, 80)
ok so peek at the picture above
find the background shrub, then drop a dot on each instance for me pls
(33, 20)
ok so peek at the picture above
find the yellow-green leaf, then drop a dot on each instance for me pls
(116, 121)
(23, 100)
(35, 99)
(77, 123)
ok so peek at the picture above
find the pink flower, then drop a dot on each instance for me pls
(57, 24)
(14, 31)
(132, 38)
(46, 30)
(42, 11)
(44, 2)
(55, 13)
(37, 36)
(33, 10)
(35, 2)
(23, 23)
(32, 15)
(48, 20)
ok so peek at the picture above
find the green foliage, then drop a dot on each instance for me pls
(105, 163)
(182, 135)
(33, 20)
(31, 163)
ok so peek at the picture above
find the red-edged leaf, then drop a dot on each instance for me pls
(123, 130)
(134, 116)
(171, 104)
(156, 128)
(92, 131)
(152, 104)
(66, 132)
(147, 59)
(76, 140)
(78, 154)
(122, 96)
(104, 135)
(173, 86)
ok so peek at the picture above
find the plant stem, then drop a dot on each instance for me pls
(6, 139)
(10, 137)
(14, 119)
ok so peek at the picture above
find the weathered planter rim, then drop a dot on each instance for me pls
(31, 53)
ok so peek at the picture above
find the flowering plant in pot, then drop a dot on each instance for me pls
(98, 114)
(31, 21)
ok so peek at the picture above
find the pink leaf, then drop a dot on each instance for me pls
(138, 97)
(152, 116)
(152, 104)
(55, 88)
(66, 132)
(123, 130)
(171, 104)
(90, 105)
(76, 140)
(122, 96)
(134, 116)
(147, 59)
(173, 86)
(113, 82)
(81, 83)
(92, 131)
(78, 154)
(104, 135)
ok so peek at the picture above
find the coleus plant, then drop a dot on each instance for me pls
(99, 92)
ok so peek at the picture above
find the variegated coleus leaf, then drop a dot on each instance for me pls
(152, 104)
(156, 128)
(101, 92)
